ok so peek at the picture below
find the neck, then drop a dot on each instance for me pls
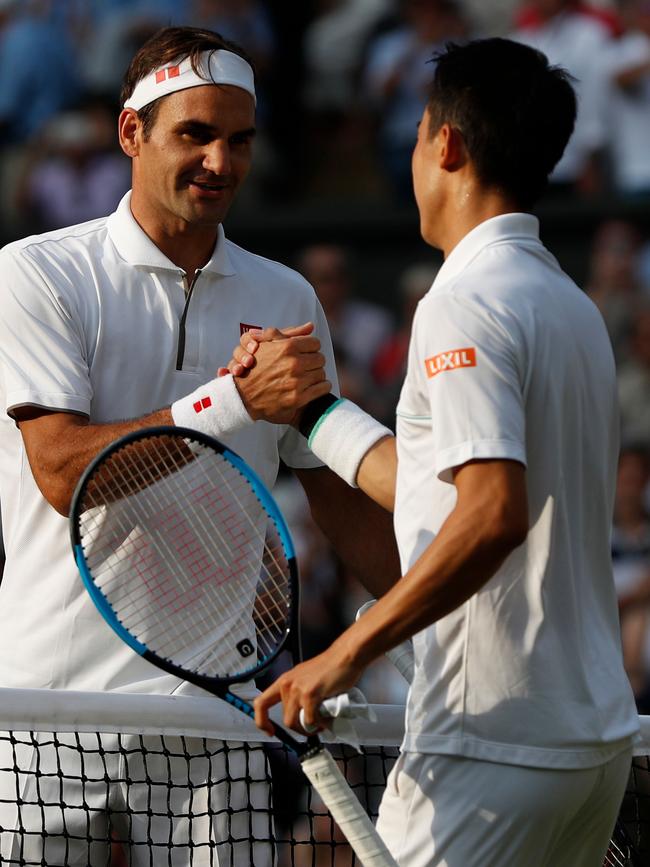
(187, 251)
(187, 245)
(467, 207)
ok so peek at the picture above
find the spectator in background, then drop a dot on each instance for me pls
(76, 171)
(37, 70)
(358, 328)
(634, 382)
(631, 566)
(628, 69)
(389, 365)
(123, 29)
(613, 283)
(336, 125)
(38, 78)
(396, 77)
(576, 41)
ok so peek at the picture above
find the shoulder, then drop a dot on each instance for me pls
(57, 262)
(278, 276)
(59, 244)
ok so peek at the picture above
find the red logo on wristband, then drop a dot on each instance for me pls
(202, 404)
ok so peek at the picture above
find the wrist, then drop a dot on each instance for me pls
(215, 408)
(341, 434)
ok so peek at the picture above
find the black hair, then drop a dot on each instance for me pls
(513, 109)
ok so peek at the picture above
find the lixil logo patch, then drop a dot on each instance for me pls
(451, 360)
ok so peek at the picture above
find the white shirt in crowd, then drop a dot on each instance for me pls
(577, 43)
(510, 360)
(630, 114)
(90, 323)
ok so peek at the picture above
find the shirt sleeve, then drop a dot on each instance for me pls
(294, 450)
(42, 344)
(471, 367)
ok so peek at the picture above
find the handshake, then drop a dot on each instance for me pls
(277, 373)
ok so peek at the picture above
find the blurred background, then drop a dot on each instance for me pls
(342, 84)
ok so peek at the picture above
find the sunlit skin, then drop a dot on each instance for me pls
(450, 197)
(187, 172)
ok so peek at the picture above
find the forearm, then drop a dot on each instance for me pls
(360, 531)
(60, 446)
(462, 558)
(377, 473)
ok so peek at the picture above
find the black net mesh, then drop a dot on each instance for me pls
(112, 799)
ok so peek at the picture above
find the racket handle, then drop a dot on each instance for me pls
(323, 773)
(402, 655)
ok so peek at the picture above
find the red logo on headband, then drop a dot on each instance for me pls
(169, 72)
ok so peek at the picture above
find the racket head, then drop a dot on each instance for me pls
(186, 555)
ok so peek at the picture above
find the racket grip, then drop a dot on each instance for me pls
(323, 773)
(402, 655)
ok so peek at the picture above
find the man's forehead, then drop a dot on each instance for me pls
(213, 104)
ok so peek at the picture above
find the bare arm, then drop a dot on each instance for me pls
(59, 445)
(360, 531)
(489, 520)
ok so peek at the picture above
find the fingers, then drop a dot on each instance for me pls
(294, 699)
(262, 703)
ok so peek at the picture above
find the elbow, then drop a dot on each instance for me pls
(59, 496)
(55, 487)
(507, 530)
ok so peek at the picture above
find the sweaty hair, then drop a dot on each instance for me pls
(168, 44)
(514, 111)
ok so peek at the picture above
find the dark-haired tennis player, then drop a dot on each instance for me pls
(520, 719)
(121, 323)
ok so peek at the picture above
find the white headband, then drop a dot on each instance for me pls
(217, 67)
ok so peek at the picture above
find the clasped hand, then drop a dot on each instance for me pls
(277, 372)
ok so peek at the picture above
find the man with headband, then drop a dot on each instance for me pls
(122, 323)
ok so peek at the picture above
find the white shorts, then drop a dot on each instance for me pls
(449, 811)
(205, 811)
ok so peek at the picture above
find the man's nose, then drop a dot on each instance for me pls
(217, 157)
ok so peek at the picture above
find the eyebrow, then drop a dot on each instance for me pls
(198, 126)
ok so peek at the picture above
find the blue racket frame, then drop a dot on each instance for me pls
(215, 685)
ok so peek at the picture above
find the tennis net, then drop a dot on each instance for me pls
(118, 779)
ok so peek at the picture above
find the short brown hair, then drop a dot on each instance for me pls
(168, 44)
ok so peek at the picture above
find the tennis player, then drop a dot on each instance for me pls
(122, 323)
(520, 719)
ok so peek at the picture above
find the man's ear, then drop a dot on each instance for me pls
(453, 154)
(129, 129)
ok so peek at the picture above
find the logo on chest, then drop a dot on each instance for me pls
(451, 360)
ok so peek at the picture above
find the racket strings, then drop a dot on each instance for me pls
(172, 553)
(202, 541)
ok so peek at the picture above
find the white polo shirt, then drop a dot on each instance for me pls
(90, 322)
(509, 359)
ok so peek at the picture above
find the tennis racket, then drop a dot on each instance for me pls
(189, 560)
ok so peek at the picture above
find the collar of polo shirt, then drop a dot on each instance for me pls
(216, 67)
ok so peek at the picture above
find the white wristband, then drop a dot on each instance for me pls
(215, 408)
(342, 436)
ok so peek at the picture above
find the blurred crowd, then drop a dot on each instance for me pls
(342, 84)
